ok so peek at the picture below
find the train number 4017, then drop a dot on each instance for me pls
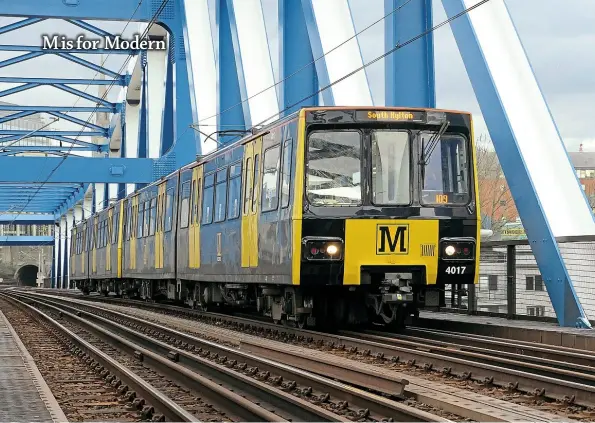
(456, 270)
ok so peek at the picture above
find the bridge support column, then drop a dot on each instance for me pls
(409, 75)
(69, 226)
(552, 205)
(63, 253)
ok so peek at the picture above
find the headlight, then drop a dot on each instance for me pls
(457, 248)
(322, 248)
(450, 250)
(332, 250)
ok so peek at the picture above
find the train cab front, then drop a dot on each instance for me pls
(389, 209)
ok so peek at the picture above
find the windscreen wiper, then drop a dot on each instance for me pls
(432, 143)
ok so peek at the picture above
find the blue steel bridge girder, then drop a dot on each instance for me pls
(90, 65)
(5, 47)
(295, 56)
(20, 241)
(14, 116)
(410, 80)
(516, 114)
(122, 81)
(91, 28)
(20, 24)
(27, 219)
(21, 58)
(114, 170)
(230, 77)
(78, 121)
(84, 95)
(18, 89)
(22, 132)
(47, 109)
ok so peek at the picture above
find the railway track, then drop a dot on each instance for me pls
(311, 393)
(376, 353)
(87, 383)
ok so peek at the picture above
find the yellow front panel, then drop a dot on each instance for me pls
(248, 154)
(296, 217)
(255, 206)
(374, 242)
(108, 247)
(120, 238)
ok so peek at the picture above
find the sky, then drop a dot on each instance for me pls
(559, 40)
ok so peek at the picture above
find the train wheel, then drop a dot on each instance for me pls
(301, 321)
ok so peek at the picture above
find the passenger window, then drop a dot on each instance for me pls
(255, 182)
(158, 214)
(207, 196)
(115, 226)
(286, 180)
(248, 185)
(270, 179)
(221, 196)
(235, 190)
(162, 215)
(140, 215)
(169, 209)
(185, 217)
(153, 216)
(147, 219)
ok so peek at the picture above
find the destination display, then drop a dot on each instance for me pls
(390, 116)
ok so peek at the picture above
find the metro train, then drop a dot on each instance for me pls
(331, 216)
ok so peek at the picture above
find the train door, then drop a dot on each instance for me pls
(108, 246)
(73, 243)
(120, 237)
(133, 232)
(195, 208)
(159, 226)
(85, 249)
(252, 164)
(94, 245)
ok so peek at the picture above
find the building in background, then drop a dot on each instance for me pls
(498, 210)
(11, 258)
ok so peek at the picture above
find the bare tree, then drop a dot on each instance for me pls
(496, 201)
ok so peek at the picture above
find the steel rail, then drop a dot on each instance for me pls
(569, 361)
(246, 398)
(519, 378)
(316, 376)
(161, 403)
(463, 403)
(554, 352)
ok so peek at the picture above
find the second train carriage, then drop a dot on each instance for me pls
(339, 215)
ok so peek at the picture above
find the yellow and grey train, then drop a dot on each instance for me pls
(332, 215)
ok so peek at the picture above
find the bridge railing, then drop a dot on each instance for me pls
(511, 286)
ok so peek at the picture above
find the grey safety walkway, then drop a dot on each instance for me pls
(24, 395)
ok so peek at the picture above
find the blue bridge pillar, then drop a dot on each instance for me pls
(551, 204)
